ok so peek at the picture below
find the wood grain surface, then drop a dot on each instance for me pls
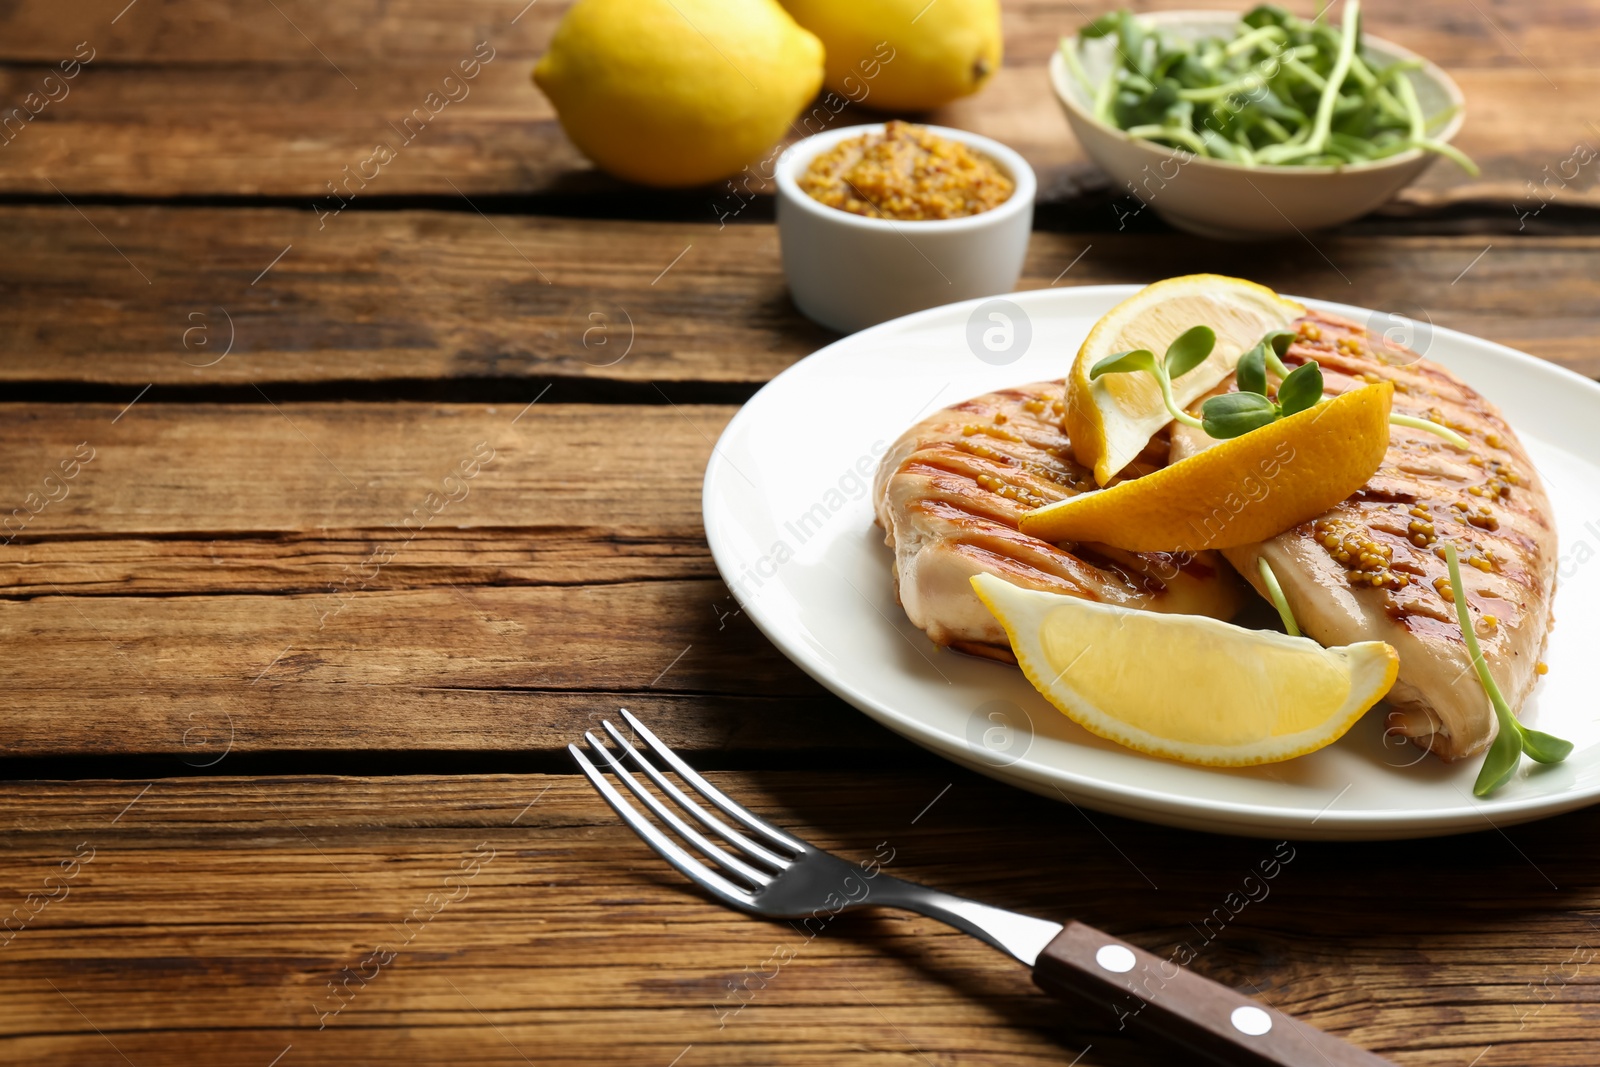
(275, 578)
(663, 311)
(286, 688)
(207, 97)
(215, 914)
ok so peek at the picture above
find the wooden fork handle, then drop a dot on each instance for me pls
(1156, 995)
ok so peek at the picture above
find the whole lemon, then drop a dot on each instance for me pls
(937, 50)
(678, 92)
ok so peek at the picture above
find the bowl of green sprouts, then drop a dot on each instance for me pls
(1254, 125)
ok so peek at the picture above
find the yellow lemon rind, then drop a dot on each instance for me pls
(678, 93)
(1373, 667)
(1347, 435)
(1085, 421)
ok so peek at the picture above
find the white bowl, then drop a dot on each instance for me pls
(1217, 198)
(849, 272)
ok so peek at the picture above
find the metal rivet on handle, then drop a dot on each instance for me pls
(1117, 958)
(1251, 1020)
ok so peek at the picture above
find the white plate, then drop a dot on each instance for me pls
(788, 515)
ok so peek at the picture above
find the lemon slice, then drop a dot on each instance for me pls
(1235, 492)
(1187, 687)
(1111, 419)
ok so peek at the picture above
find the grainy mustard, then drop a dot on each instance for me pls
(906, 172)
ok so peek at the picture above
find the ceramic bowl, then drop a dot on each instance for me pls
(848, 272)
(1217, 198)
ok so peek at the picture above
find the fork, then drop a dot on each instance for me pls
(778, 876)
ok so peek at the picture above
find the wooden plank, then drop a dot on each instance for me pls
(518, 669)
(192, 98)
(206, 919)
(287, 129)
(208, 32)
(265, 470)
(386, 296)
(205, 32)
(262, 579)
(311, 563)
(389, 295)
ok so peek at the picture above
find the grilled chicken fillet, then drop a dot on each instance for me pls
(1373, 568)
(949, 495)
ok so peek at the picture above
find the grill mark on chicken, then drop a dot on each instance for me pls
(951, 491)
(1385, 578)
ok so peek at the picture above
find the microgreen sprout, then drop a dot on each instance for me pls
(1282, 91)
(1514, 739)
(1182, 356)
(1275, 594)
(1232, 415)
(1235, 414)
(1413, 422)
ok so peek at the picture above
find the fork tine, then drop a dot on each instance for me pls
(711, 792)
(668, 816)
(664, 846)
(716, 825)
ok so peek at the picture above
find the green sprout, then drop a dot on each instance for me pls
(1182, 356)
(1412, 421)
(1236, 414)
(1275, 594)
(1514, 739)
(1232, 415)
(1282, 91)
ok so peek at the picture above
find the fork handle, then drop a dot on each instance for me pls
(1155, 994)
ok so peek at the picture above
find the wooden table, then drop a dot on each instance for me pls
(287, 689)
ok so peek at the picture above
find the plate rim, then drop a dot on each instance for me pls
(1220, 816)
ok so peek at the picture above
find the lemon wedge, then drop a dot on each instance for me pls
(1187, 687)
(1235, 492)
(1112, 418)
